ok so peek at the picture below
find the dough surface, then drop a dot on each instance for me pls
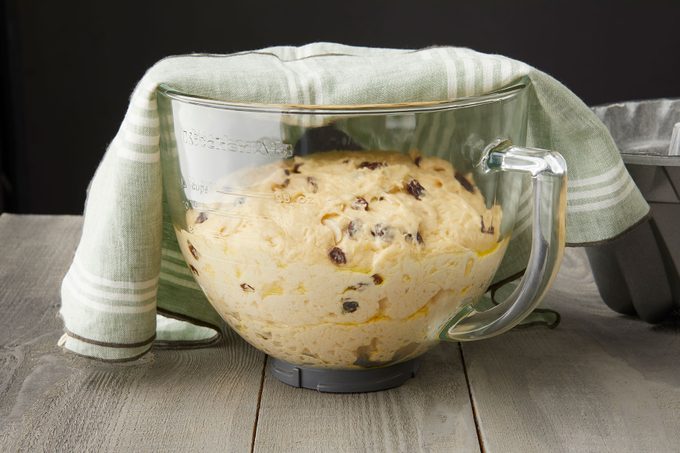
(344, 259)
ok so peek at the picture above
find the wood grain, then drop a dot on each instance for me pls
(192, 400)
(599, 382)
(430, 413)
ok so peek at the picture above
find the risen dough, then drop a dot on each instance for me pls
(344, 259)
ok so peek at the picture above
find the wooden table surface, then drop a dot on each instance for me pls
(599, 382)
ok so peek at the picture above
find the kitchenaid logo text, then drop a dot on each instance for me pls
(265, 146)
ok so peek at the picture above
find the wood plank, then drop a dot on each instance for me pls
(191, 400)
(431, 412)
(599, 382)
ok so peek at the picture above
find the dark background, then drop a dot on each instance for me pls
(68, 67)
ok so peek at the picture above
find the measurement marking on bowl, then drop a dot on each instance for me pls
(227, 214)
(280, 196)
(246, 195)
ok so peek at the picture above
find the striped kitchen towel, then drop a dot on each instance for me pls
(128, 271)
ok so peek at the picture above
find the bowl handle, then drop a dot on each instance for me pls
(548, 172)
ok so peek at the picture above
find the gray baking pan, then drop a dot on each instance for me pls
(637, 273)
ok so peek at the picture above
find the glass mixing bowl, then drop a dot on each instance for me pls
(355, 237)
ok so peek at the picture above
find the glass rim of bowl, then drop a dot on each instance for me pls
(501, 94)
